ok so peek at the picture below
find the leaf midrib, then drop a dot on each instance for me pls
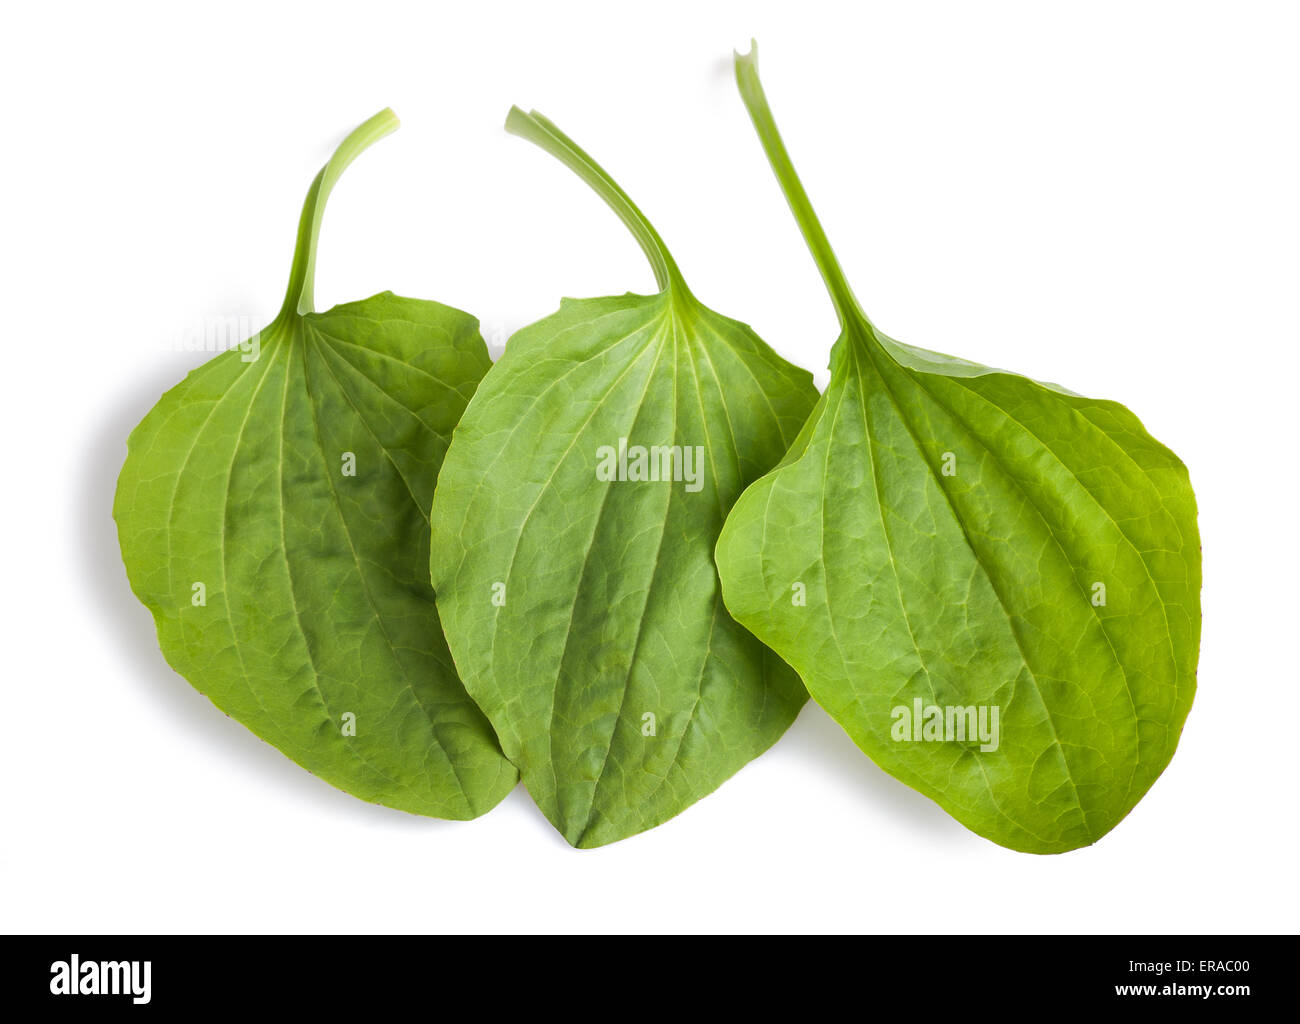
(429, 714)
(997, 593)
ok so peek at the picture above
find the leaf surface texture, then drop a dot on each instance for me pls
(950, 524)
(315, 602)
(608, 606)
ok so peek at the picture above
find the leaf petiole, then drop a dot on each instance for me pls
(540, 131)
(751, 91)
(299, 299)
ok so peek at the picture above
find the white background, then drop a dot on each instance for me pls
(1098, 194)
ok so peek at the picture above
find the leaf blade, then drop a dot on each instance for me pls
(611, 603)
(315, 604)
(966, 517)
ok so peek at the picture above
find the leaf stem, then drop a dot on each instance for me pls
(751, 91)
(299, 298)
(540, 131)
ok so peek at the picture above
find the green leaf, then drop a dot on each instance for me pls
(584, 614)
(952, 527)
(271, 514)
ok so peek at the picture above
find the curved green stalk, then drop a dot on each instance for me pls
(540, 131)
(302, 276)
(751, 91)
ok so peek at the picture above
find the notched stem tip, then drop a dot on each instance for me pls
(751, 92)
(540, 131)
(299, 298)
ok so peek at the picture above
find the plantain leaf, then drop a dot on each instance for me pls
(271, 514)
(1018, 557)
(574, 524)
